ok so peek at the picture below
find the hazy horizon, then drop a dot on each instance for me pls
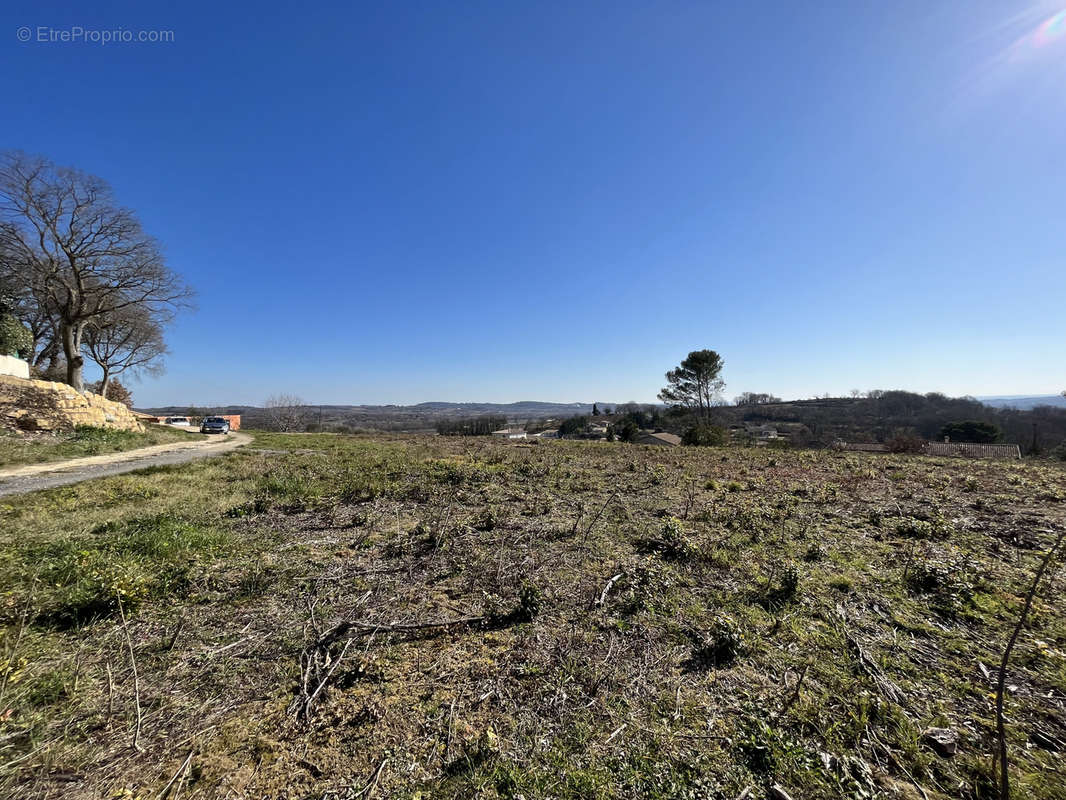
(602, 403)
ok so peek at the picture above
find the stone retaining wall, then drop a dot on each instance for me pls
(47, 406)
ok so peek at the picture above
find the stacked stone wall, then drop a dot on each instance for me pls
(31, 405)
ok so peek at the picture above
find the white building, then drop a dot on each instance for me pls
(510, 433)
(10, 365)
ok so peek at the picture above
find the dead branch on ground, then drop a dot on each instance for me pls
(869, 667)
(136, 679)
(610, 584)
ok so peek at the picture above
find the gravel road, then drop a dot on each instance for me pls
(64, 476)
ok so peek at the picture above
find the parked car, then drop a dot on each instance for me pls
(214, 425)
(183, 421)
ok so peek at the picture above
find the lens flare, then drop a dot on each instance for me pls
(1051, 29)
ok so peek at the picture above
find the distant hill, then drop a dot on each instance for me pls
(420, 417)
(1025, 402)
(531, 408)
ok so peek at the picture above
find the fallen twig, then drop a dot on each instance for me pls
(347, 575)
(617, 731)
(8, 764)
(347, 626)
(223, 649)
(177, 632)
(451, 728)
(136, 678)
(325, 678)
(795, 691)
(870, 668)
(372, 784)
(110, 691)
(599, 513)
(895, 762)
(165, 791)
(607, 588)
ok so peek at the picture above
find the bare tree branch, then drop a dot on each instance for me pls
(130, 340)
(77, 253)
(286, 412)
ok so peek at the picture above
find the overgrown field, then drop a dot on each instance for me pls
(337, 616)
(17, 449)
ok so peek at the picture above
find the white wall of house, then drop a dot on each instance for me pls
(508, 433)
(9, 365)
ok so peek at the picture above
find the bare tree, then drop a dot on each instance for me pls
(17, 298)
(286, 412)
(755, 399)
(130, 340)
(43, 326)
(80, 254)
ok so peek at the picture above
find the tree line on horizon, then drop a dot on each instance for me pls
(471, 426)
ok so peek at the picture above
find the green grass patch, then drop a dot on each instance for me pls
(77, 579)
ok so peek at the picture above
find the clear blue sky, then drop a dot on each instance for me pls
(399, 202)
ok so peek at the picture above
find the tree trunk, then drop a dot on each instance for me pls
(49, 354)
(104, 381)
(72, 350)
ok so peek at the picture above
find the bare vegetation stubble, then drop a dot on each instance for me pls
(565, 620)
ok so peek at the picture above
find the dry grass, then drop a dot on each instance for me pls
(561, 619)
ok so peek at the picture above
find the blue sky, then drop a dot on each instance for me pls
(400, 202)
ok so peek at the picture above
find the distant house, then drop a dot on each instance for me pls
(551, 434)
(763, 431)
(758, 434)
(510, 433)
(662, 439)
(967, 450)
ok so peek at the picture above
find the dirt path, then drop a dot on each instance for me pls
(34, 477)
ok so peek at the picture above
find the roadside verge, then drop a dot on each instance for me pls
(228, 442)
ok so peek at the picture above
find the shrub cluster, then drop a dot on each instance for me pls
(936, 527)
(15, 338)
(722, 644)
(704, 436)
(674, 540)
(949, 583)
